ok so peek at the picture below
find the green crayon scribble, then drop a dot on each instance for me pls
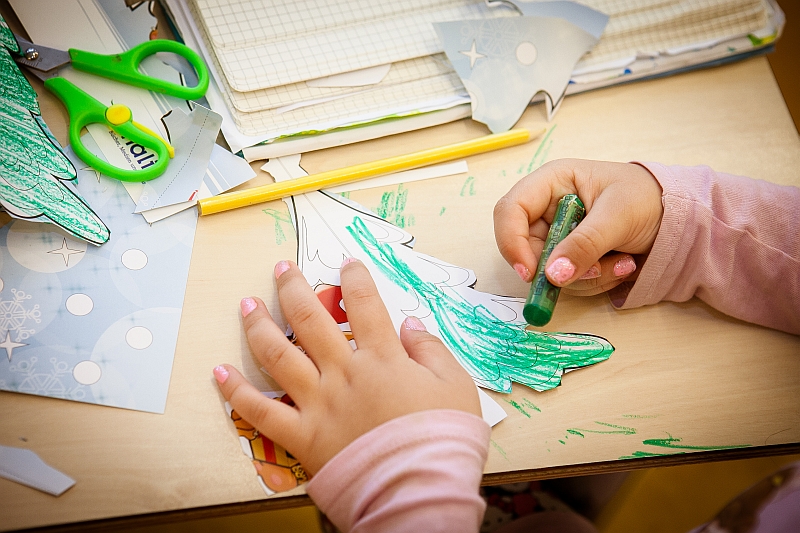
(674, 444)
(529, 403)
(393, 206)
(499, 449)
(561, 441)
(471, 191)
(518, 407)
(279, 217)
(615, 430)
(540, 155)
(494, 352)
(639, 416)
(576, 432)
(442, 211)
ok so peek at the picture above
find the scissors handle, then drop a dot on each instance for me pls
(124, 67)
(84, 110)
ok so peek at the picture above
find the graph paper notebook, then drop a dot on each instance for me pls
(264, 52)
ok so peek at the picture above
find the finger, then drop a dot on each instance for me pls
(521, 217)
(612, 269)
(276, 420)
(428, 350)
(600, 231)
(290, 367)
(314, 327)
(369, 321)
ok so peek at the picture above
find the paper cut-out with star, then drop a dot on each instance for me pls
(33, 169)
(504, 62)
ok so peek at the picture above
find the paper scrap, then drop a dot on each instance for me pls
(503, 63)
(26, 467)
(193, 136)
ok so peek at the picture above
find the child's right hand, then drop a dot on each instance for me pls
(623, 215)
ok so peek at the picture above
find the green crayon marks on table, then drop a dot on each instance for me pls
(392, 207)
(279, 217)
(576, 432)
(614, 430)
(639, 416)
(495, 353)
(675, 444)
(540, 156)
(561, 441)
(518, 407)
(527, 403)
(468, 191)
(346, 194)
(442, 211)
(499, 449)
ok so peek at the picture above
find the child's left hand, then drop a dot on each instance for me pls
(340, 393)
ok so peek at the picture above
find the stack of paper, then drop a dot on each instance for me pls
(286, 69)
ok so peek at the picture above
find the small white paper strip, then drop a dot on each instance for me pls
(25, 467)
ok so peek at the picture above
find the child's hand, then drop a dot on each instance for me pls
(623, 214)
(340, 393)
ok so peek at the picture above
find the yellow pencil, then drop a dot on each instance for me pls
(314, 182)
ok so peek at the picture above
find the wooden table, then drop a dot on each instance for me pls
(680, 371)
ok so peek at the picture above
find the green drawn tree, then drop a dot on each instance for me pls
(33, 168)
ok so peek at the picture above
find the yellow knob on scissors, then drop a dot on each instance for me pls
(118, 114)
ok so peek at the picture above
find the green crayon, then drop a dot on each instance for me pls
(543, 296)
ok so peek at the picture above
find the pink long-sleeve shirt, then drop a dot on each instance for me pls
(731, 241)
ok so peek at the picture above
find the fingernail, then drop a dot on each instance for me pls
(523, 272)
(247, 305)
(348, 260)
(624, 266)
(414, 323)
(221, 374)
(280, 268)
(561, 270)
(592, 273)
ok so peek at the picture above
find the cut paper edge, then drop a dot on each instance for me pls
(27, 468)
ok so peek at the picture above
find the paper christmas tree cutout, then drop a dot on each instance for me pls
(33, 169)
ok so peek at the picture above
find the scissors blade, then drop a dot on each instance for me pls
(42, 61)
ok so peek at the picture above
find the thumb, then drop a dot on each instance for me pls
(602, 230)
(426, 349)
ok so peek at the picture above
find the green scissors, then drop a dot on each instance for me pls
(44, 62)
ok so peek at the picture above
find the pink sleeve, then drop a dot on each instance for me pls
(419, 472)
(731, 241)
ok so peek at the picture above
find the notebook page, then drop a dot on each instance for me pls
(349, 41)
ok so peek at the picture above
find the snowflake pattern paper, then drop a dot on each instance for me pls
(93, 324)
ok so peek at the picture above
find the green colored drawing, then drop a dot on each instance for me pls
(494, 352)
(518, 407)
(675, 444)
(393, 206)
(639, 416)
(280, 218)
(32, 165)
(527, 403)
(442, 211)
(468, 189)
